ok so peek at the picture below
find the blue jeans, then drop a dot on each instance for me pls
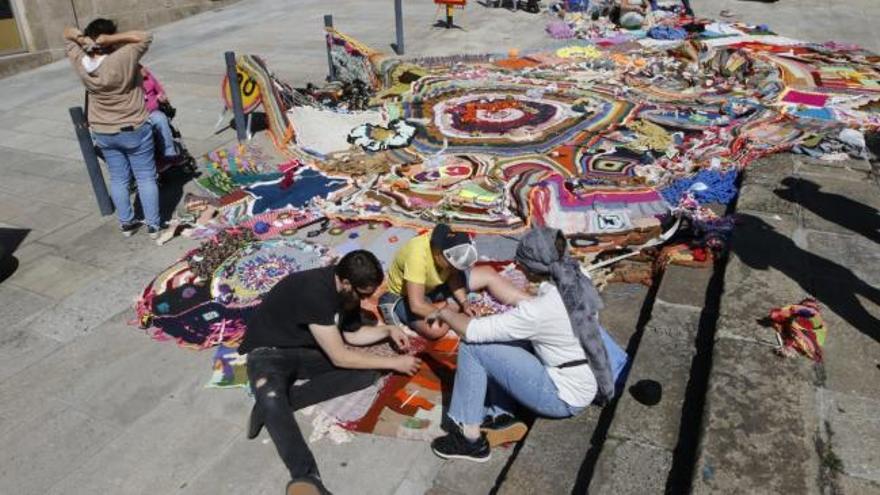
(491, 378)
(131, 153)
(400, 311)
(166, 139)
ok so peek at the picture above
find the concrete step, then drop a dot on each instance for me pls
(644, 438)
(556, 455)
(774, 425)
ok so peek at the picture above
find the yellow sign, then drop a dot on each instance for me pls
(250, 91)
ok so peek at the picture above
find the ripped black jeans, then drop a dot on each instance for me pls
(273, 371)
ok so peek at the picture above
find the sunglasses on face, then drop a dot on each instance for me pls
(364, 294)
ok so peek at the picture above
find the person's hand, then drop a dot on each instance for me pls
(399, 338)
(72, 34)
(407, 365)
(467, 309)
(103, 40)
(162, 98)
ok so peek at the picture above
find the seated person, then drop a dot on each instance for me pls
(154, 95)
(433, 268)
(298, 332)
(547, 354)
(632, 13)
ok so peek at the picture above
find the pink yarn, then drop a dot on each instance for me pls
(560, 30)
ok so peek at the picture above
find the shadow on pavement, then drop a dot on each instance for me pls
(841, 210)
(10, 239)
(171, 190)
(833, 285)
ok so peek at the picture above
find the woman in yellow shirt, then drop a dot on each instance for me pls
(435, 270)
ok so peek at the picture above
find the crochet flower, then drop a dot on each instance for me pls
(398, 134)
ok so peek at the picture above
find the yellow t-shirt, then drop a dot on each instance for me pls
(414, 263)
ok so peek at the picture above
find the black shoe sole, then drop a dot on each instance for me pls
(462, 457)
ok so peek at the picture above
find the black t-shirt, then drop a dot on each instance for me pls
(298, 300)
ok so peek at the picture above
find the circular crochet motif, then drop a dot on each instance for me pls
(256, 268)
(492, 115)
(506, 119)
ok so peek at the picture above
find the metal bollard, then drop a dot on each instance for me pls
(328, 22)
(87, 147)
(235, 92)
(398, 26)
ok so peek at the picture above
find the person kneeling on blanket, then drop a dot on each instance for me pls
(436, 269)
(546, 354)
(298, 333)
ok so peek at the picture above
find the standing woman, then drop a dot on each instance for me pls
(107, 62)
(546, 354)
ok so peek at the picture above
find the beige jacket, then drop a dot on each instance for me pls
(116, 98)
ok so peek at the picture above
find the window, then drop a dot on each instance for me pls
(10, 37)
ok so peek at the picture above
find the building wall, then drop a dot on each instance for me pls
(42, 21)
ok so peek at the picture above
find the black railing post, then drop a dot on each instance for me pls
(398, 26)
(87, 147)
(328, 23)
(235, 94)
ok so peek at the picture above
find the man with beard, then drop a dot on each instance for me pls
(299, 332)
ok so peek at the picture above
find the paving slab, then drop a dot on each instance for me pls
(53, 276)
(758, 433)
(80, 369)
(42, 450)
(853, 168)
(851, 356)
(244, 466)
(105, 246)
(552, 455)
(835, 205)
(855, 428)
(20, 348)
(46, 217)
(856, 256)
(758, 276)
(166, 448)
(467, 478)
(770, 169)
(850, 485)
(761, 197)
(19, 304)
(665, 356)
(27, 253)
(684, 285)
(628, 467)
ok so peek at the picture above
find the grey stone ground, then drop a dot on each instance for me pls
(88, 404)
(773, 424)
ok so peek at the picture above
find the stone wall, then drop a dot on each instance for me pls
(42, 21)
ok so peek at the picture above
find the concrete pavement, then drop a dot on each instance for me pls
(89, 404)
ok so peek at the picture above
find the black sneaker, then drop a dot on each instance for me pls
(255, 423)
(129, 228)
(503, 429)
(155, 231)
(456, 446)
(307, 485)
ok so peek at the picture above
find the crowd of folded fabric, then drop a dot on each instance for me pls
(629, 141)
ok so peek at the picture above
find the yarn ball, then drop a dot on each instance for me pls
(261, 227)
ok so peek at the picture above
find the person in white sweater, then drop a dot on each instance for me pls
(531, 354)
